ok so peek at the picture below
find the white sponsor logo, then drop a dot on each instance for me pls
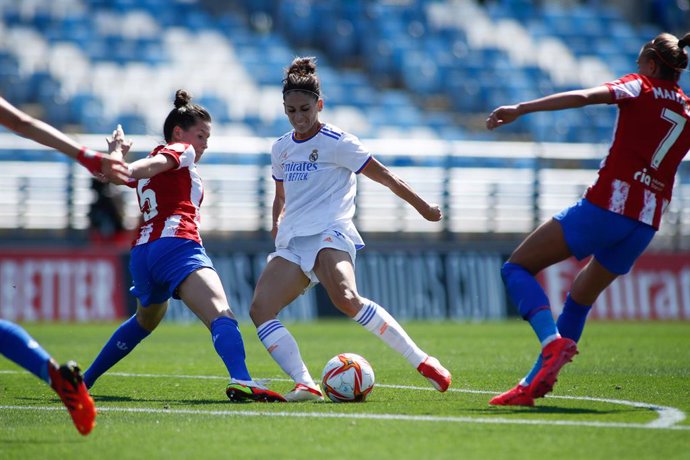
(642, 176)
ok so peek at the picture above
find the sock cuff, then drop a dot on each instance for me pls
(571, 306)
(530, 314)
(365, 315)
(140, 331)
(222, 320)
(508, 268)
(270, 332)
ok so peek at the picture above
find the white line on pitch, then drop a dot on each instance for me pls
(668, 416)
(340, 416)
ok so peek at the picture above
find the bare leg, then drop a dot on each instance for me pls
(203, 293)
(280, 283)
(590, 282)
(542, 248)
(337, 275)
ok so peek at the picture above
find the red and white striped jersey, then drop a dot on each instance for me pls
(651, 137)
(170, 201)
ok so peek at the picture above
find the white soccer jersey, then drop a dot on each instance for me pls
(318, 175)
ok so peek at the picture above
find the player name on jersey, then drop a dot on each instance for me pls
(663, 93)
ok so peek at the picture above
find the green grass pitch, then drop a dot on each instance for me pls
(624, 397)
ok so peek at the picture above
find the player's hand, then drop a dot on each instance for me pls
(114, 170)
(118, 143)
(432, 213)
(502, 116)
(103, 167)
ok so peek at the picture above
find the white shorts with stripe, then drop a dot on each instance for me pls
(302, 251)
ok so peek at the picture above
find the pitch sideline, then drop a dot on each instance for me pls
(668, 417)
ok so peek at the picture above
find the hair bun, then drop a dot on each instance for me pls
(182, 98)
(685, 41)
(303, 66)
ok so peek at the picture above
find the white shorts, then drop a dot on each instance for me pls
(302, 251)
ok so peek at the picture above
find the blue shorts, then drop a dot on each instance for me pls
(616, 241)
(159, 267)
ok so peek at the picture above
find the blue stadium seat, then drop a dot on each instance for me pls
(388, 44)
(84, 107)
(133, 123)
(217, 107)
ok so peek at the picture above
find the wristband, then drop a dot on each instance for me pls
(90, 159)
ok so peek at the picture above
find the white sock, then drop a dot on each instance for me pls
(550, 339)
(284, 351)
(379, 322)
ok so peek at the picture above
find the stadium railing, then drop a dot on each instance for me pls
(486, 189)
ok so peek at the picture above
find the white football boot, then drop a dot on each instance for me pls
(303, 393)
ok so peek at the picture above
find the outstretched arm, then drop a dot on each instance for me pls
(559, 101)
(41, 132)
(379, 173)
(150, 166)
(145, 168)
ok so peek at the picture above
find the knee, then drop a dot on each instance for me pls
(147, 322)
(348, 302)
(259, 314)
(150, 317)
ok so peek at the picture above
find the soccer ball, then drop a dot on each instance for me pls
(347, 377)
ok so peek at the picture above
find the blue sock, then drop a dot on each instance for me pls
(533, 305)
(544, 326)
(533, 372)
(570, 324)
(572, 319)
(227, 340)
(18, 346)
(125, 338)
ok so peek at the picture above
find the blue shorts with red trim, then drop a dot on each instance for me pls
(615, 240)
(159, 267)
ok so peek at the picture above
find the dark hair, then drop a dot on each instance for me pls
(301, 76)
(185, 114)
(667, 51)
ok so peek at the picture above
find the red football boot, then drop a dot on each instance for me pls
(244, 392)
(554, 356)
(518, 396)
(68, 383)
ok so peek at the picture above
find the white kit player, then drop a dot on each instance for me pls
(314, 168)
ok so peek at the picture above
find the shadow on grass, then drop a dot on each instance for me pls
(496, 410)
(166, 401)
(34, 441)
(134, 399)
